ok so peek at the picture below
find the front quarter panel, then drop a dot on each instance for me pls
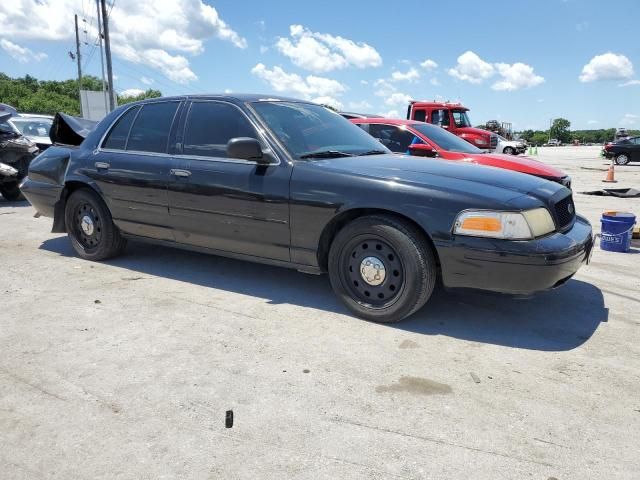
(319, 194)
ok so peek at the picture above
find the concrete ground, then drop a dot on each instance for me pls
(125, 369)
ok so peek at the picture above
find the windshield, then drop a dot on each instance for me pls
(305, 129)
(461, 118)
(445, 140)
(33, 127)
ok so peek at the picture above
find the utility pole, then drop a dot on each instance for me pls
(550, 125)
(78, 57)
(104, 87)
(107, 54)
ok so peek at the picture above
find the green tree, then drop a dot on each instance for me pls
(31, 95)
(150, 93)
(560, 130)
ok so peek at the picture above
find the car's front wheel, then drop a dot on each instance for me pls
(90, 227)
(382, 268)
(509, 150)
(622, 159)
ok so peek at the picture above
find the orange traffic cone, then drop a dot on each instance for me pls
(610, 175)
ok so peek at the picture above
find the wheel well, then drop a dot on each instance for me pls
(339, 221)
(58, 213)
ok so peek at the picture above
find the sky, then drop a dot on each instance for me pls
(518, 61)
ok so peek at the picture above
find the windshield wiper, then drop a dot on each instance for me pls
(372, 152)
(326, 154)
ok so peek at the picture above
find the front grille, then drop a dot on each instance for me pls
(493, 141)
(565, 212)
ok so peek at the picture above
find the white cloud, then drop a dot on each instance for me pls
(392, 114)
(471, 68)
(264, 49)
(327, 100)
(628, 120)
(362, 105)
(322, 52)
(609, 66)
(364, 82)
(410, 75)
(383, 87)
(21, 54)
(516, 76)
(435, 82)
(150, 32)
(147, 80)
(308, 88)
(228, 91)
(131, 92)
(592, 122)
(630, 83)
(429, 64)
(397, 98)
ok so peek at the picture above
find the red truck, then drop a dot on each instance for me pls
(452, 117)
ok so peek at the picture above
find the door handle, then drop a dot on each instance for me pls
(180, 173)
(102, 165)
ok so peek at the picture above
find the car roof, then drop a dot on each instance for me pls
(233, 97)
(390, 121)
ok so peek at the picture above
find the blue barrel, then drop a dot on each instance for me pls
(617, 229)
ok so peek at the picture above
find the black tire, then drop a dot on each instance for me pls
(101, 239)
(406, 256)
(622, 159)
(11, 192)
(509, 151)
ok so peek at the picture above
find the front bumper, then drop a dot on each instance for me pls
(516, 267)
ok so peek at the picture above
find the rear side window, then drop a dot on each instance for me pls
(420, 115)
(150, 131)
(117, 137)
(210, 125)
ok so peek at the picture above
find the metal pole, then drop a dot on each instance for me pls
(78, 56)
(104, 87)
(107, 54)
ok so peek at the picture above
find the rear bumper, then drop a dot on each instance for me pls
(516, 267)
(43, 196)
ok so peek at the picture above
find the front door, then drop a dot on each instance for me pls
(132, 168)
(223, 203)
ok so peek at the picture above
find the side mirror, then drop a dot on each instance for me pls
(246, 148)
(422, 150)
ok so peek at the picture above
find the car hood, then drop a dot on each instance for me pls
(461, 176)
(518, 164)
(473, 130)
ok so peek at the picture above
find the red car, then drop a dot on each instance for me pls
(422, 139)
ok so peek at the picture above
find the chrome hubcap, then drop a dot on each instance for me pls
(372, 270)
(87, 225)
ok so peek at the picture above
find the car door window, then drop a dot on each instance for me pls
(440, 117)
(394, 138)
(116, 139)
(636, 140)
(210, 125)
(420, 115)
(150, 130)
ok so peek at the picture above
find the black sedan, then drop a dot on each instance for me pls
(291, 183)
(624, 150)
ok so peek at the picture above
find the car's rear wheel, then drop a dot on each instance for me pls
(509, 150)
(90, 227)
(622, 159)
(382, 268)
(11, 191)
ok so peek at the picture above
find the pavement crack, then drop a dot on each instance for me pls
(440, 441)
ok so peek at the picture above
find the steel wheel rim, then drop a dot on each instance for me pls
(88, 226)
(369, 290)
(623, 159)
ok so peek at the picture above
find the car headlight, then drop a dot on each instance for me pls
(480, 141)
(506, 225)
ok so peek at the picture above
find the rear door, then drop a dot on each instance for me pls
(133, 168)
(634, 149)
(224, 203)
